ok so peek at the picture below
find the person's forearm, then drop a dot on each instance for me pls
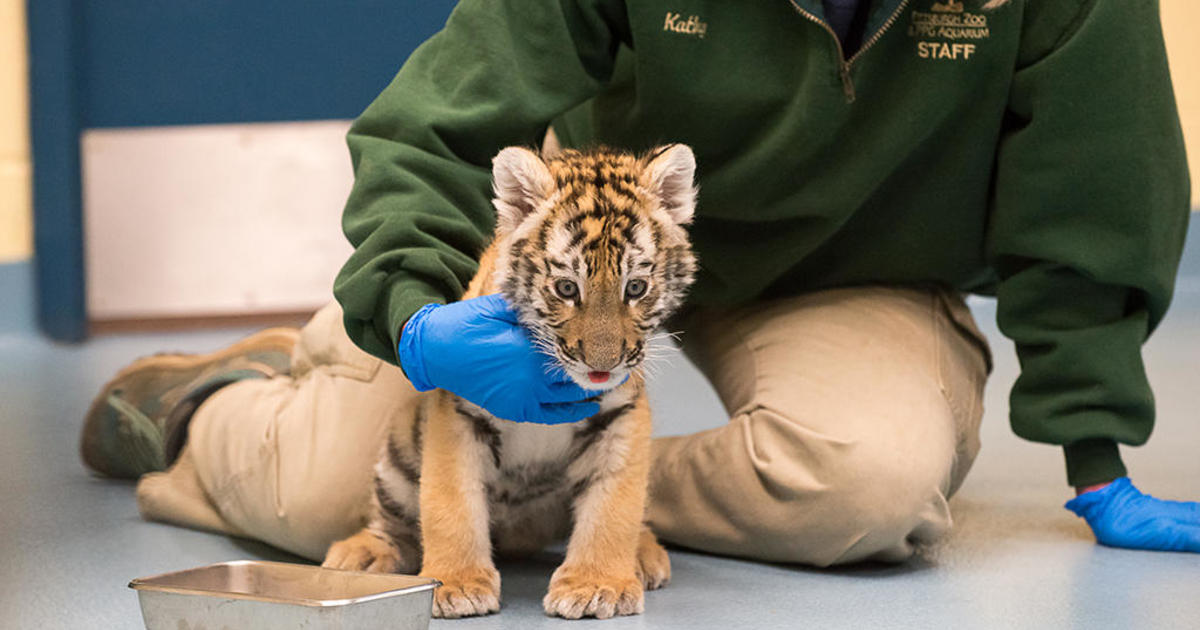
(1084, 228)
(1096, 486)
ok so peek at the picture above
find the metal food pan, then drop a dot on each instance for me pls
(250, 595)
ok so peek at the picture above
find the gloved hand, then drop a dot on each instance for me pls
(1121, 516)
(477, 350)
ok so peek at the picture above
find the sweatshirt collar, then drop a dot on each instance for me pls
(881, 11)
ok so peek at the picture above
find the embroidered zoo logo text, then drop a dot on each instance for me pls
(948, 31)
(692, 25)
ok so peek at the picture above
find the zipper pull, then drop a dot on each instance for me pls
(848, 83)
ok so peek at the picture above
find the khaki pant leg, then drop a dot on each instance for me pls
(289, 460)
(175, 496)
(854, 416)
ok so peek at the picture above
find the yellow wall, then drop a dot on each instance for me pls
(1181, 20)
(15, 217)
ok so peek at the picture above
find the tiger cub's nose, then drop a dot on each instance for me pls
(602, 356)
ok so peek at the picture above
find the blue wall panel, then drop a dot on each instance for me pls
(149, 62)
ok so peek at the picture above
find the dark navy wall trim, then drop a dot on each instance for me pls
(55, 124)
(148, 62)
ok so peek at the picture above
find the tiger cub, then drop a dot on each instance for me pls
(591, 251)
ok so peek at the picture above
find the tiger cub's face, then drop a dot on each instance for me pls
(592, 253)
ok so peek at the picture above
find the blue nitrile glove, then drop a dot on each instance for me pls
(1121, 516)
(477, 350)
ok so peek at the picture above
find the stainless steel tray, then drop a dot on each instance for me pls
(267, 595)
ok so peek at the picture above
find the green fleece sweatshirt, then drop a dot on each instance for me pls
(1032, 152)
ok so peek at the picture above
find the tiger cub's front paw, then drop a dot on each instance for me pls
(465, 593)
(576, 593)
(365, 551)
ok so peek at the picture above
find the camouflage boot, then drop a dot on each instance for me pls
(138, 422)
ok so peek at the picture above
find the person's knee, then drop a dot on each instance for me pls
(878, 492)
(853, 499)
(872, 512)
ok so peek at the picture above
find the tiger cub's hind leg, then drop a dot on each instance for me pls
(654, 565)
(372, 552)
(390, 543)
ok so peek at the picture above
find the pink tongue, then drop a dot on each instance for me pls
(598, 377)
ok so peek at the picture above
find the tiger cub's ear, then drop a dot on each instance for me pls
(520, 181)
(668, 174)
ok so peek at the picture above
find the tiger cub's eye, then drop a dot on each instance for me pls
(635, 288)
(566, 289)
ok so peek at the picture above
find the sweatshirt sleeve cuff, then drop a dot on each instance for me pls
(404, 298)
(1093, 461)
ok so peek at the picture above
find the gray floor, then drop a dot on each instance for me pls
(70, 542)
